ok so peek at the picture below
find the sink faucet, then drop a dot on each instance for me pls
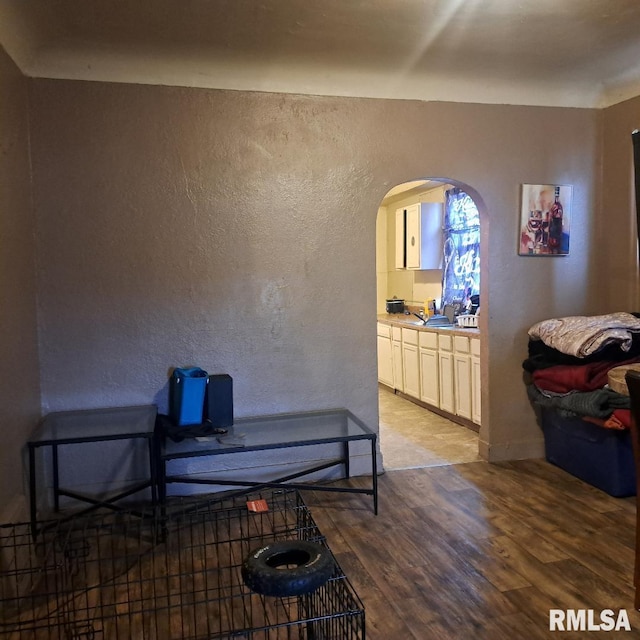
(418, 315)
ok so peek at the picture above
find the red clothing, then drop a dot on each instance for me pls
(585, 377)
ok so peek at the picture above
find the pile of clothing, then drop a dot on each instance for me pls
(569, 362)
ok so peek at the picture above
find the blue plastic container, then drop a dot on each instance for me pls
(602, 457)
(187, 389)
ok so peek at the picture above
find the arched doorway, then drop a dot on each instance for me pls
(419, 426)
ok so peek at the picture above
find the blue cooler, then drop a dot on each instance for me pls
(187, 389)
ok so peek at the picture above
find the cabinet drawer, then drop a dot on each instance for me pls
(428, 340)
(445, 343)
(396, 333)
(461, 344)
(410, 336)
(475, 347)
(384, 330)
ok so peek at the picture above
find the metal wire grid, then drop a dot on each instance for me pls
(171, 575)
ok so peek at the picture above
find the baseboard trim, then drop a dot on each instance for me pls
(526, 450)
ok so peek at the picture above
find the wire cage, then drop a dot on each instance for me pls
(169, 574)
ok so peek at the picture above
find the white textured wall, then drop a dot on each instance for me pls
(236, 231)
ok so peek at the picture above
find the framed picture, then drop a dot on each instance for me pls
(545, 220)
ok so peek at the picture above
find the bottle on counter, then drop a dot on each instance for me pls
(430, 307)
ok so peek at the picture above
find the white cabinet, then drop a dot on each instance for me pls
(411, 362)
(385, 361)
(437, 367)
(445, 373)
(476, 404)
(423, 236)
(419, 236)
(400, 258)
(396, 358)
(429, 382)
(462, 376)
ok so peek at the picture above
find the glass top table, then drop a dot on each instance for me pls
(87, 425)
(279, 431)
(91, 425)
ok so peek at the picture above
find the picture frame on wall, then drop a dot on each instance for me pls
(545, 220)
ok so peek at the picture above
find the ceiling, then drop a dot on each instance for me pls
(583, 53)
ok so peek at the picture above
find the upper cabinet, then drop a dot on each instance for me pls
(419, 236)
(401, 235)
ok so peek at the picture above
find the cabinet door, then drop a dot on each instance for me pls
(429, 382)
(396, 357)
(431, 241)
(445, 371)
(462, 384)
(400, 260)
(411, 365)
(413, 237)
(385, 362)
(476, 404)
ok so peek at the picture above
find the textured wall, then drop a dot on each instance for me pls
(619, 287)
(236, 231)
(19, 375)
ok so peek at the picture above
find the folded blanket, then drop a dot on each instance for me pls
(583, 336)
(567, 378)
(541, 356)
(599, 404)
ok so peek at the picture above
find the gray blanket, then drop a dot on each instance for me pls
(598, 404)
(583, 336)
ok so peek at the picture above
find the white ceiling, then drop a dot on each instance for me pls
(537, 52)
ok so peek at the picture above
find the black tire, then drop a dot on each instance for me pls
(287, 568)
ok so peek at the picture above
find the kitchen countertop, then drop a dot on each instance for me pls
(411, 322)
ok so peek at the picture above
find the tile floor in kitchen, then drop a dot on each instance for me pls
(412, 437)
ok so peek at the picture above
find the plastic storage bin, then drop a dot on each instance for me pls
(602, 457)
(187, 389)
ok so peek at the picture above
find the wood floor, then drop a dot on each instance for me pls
(481, 550)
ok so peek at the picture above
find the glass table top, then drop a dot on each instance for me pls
(270, 432)
(95, 424)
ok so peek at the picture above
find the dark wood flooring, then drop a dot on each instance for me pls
(481, 550)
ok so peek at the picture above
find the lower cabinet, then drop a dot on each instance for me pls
(445, 370)
(429, 378)
(438, 368)
(462, 376)
(411, 362)
(445, 366)
(385, 361)
(476, 377)
(396, 358)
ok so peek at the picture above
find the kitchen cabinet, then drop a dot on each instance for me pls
(400, 258)
(429, 382)
(446, 373)
(411, 362)
(385, 361)
(419, 236)
(462, 376)
(438, 368)
(396, 358)
(476, 403)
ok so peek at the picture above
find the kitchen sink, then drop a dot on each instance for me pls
(413, 323)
